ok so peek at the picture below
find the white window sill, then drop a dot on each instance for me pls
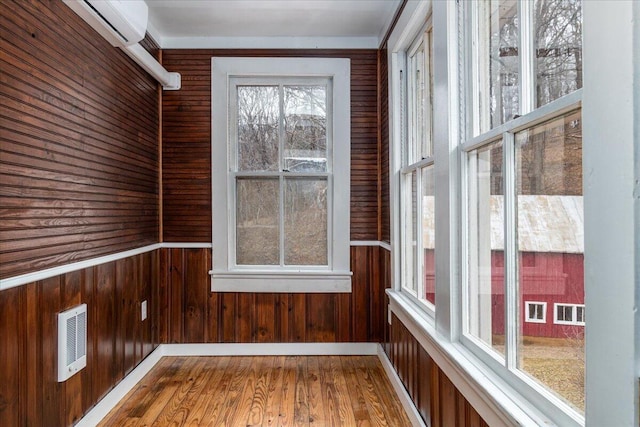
(496, 401)
(281, 281)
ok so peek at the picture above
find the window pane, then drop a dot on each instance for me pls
(410, 231)
(417, 102)
(305, 125)
(558, 37)
(428, 235)
(258, 113)
(499, 77)
(486, 303)
(257, 236)
(305, 222)
(550, 226)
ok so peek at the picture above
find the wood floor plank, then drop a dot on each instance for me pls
(343, 395)
(182, 391)
(395, 414)
(358, 401)
(375, 407)
(166, 393)
(301, 412)
(258, 406)
(288, 402)
(314, 393)
(197, 414)
(138, 400)
(275, 392)
(236, 387)
(201, 379)
(309, 391)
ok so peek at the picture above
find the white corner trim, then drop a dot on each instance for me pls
(271, 349)
(495, 401)
(128, 383)
(403, 396)
(23, 279)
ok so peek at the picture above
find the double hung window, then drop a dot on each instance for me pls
(281, 202)
(523, 213)
(417, 173)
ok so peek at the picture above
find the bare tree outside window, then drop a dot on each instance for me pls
(281, 183)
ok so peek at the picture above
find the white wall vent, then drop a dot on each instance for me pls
(72, 341)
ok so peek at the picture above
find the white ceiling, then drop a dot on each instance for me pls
(270, 23)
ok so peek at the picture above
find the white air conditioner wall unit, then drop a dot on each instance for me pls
(120, 22)
(123, 23)
(72, 341)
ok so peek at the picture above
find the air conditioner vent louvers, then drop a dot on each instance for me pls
(106, 21)
(72, 341)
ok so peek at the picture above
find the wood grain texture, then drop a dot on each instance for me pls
(436, 398)
(78, 142)
(262, 391)
(186, 172)
(117, 339)
(196, 315)
(385, 206)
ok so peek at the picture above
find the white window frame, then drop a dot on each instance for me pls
(610, 113)
(411, 159)
(529, 319)
(226, 276)
(574, 314)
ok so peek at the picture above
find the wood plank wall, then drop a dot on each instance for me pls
(78, 142)
(192, 314)
(440, 404)
(385, 206)
(187, 141)
(117, 339)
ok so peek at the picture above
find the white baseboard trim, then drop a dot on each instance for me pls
(403, 395)
(271, 349)
(128, 383)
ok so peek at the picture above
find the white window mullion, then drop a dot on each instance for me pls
(419, 280)
(527, 52)
(281, 179)
(510, 252)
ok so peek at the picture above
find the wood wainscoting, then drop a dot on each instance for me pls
(117, 340)
(438, 401)
(193, 314)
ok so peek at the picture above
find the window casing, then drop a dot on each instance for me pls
(535, 312)
(286, 181)
(417, 172)
(522, 175)
(569, 314)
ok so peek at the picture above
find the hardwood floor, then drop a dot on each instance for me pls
(262, 391)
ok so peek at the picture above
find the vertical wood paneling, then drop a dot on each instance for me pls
(186, 144)
(78, 142)
(29, 391)
(198, 315)
(11, 329)
(438, 401)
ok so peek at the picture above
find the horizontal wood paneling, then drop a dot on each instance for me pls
(117, 339)
(78, 142)
(196, 315)
(187, 141)
(385, 206)
(438, 401)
